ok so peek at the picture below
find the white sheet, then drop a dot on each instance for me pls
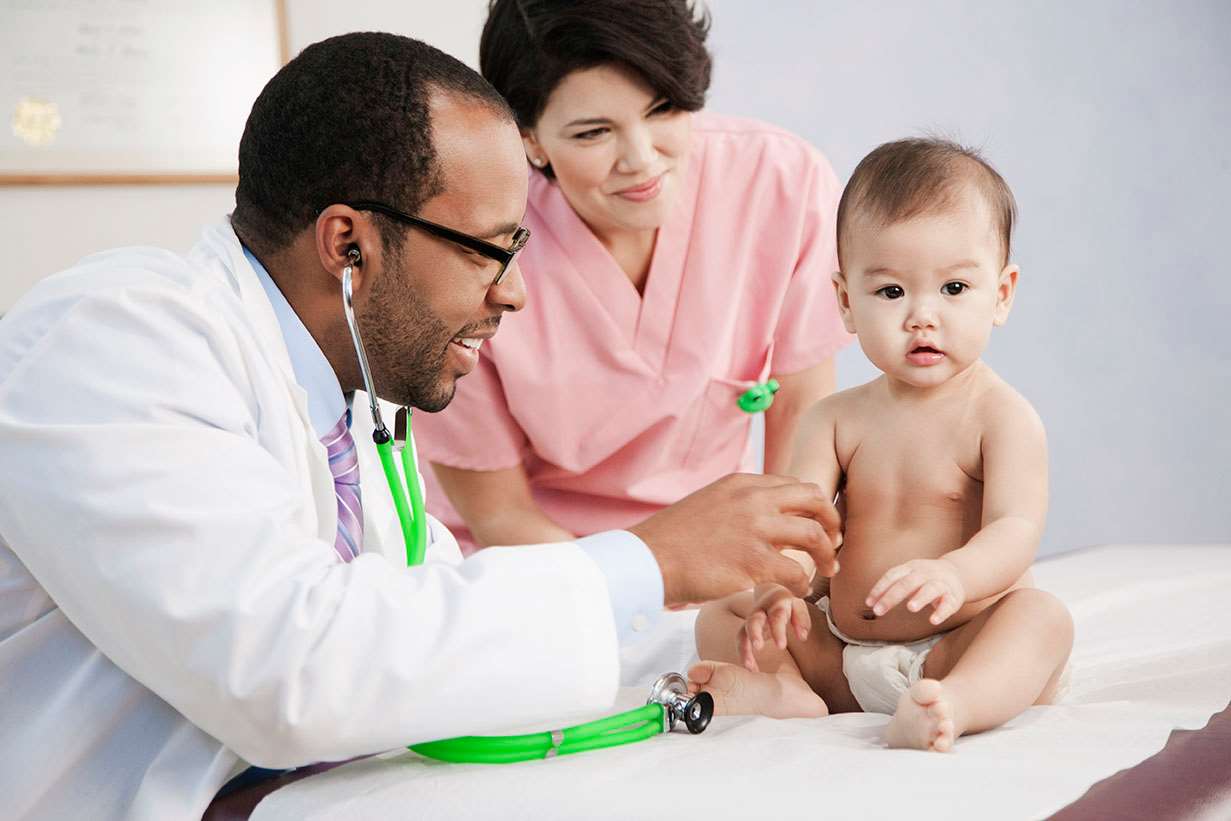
(1153, 653)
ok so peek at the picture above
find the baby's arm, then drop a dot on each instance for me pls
(1014, 450)
(1014, 455)
(814, 458)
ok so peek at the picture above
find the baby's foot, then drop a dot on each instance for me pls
(924, 719)
(737, 691)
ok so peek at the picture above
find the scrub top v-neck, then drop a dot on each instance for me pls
(618, 403)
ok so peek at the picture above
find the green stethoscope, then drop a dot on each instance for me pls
(669, 700)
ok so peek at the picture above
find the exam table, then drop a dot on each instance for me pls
(1151, 664)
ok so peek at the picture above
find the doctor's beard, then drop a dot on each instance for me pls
(406, 346)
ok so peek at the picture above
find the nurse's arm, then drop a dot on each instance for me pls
(497, 506)
(797, 392)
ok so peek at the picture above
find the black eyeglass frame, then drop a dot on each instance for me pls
(480, 246)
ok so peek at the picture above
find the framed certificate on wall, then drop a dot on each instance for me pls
(131, 91)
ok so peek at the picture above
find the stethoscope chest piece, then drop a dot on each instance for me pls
(758, 398)
(671, 691)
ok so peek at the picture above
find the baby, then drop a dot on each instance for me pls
(940, 472)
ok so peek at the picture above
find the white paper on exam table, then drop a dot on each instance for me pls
(1152, 654)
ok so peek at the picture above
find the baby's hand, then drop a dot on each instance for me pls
(923, 581)
(774, 607)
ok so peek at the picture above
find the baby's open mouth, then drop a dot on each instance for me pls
(925, 349)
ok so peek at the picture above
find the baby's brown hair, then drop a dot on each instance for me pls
(909, 178)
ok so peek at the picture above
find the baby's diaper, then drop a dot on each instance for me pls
(878, 672)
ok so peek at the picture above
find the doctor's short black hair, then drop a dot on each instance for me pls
(347, 119)
(529, 46)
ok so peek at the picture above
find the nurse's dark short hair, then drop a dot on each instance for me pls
(347, 119)
(916, 177)
(529, 46)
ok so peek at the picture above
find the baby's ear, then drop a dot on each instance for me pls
(1006, 287)
(844, 301)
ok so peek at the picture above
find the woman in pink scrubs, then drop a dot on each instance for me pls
(677, 259)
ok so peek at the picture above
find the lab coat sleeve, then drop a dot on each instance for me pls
(809, 328)
(142, 496)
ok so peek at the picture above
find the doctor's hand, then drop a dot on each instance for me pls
(728, 536)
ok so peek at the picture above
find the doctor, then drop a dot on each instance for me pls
(191, 578)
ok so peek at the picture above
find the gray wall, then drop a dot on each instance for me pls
(1111, 121)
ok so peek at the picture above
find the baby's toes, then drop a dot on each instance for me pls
(942, 737)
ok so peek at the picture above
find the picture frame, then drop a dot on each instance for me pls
(132, 91)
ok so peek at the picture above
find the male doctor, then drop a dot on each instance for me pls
(192, 578)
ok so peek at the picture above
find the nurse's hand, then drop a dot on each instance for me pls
(728, 536)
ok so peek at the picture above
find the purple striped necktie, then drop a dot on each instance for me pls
(344, 465)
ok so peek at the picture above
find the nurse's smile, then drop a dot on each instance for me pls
(643, 192)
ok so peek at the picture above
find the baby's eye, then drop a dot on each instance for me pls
(954, 288)
(891, 292)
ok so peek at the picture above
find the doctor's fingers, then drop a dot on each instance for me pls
(808, 500)
(799, 533)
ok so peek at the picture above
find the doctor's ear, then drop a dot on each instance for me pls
(346, 238)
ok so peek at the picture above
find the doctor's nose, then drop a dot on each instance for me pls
(510, 293)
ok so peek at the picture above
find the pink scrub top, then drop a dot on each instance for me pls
(618, 404)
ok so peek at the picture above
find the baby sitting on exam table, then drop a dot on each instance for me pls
(940, 468)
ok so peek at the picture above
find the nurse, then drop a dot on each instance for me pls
(679, 259)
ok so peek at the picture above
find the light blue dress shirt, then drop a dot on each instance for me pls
(634, 581)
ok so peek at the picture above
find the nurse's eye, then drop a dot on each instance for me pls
(891, 292)
(592, 134)
(954, 288)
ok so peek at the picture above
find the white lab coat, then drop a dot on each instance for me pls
(171, 606)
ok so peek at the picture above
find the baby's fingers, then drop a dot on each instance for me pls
(780, 615)
(746, 654)
(891, 576)
(896, 594)
(945, 607)
(801, 618)
(755, 624)
(930, 592)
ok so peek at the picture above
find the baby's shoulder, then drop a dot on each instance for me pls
(845, 406)
(1002, 409)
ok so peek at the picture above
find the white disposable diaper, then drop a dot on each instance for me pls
(878, 672)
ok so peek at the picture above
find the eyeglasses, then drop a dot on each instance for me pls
(480, 246)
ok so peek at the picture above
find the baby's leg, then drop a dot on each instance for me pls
(987, 671)
(803, 680)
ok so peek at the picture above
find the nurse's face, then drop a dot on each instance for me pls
(433, 304)
(618, 149)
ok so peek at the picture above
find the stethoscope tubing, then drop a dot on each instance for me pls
(622, 728)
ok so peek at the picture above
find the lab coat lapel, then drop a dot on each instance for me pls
(220, 244)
